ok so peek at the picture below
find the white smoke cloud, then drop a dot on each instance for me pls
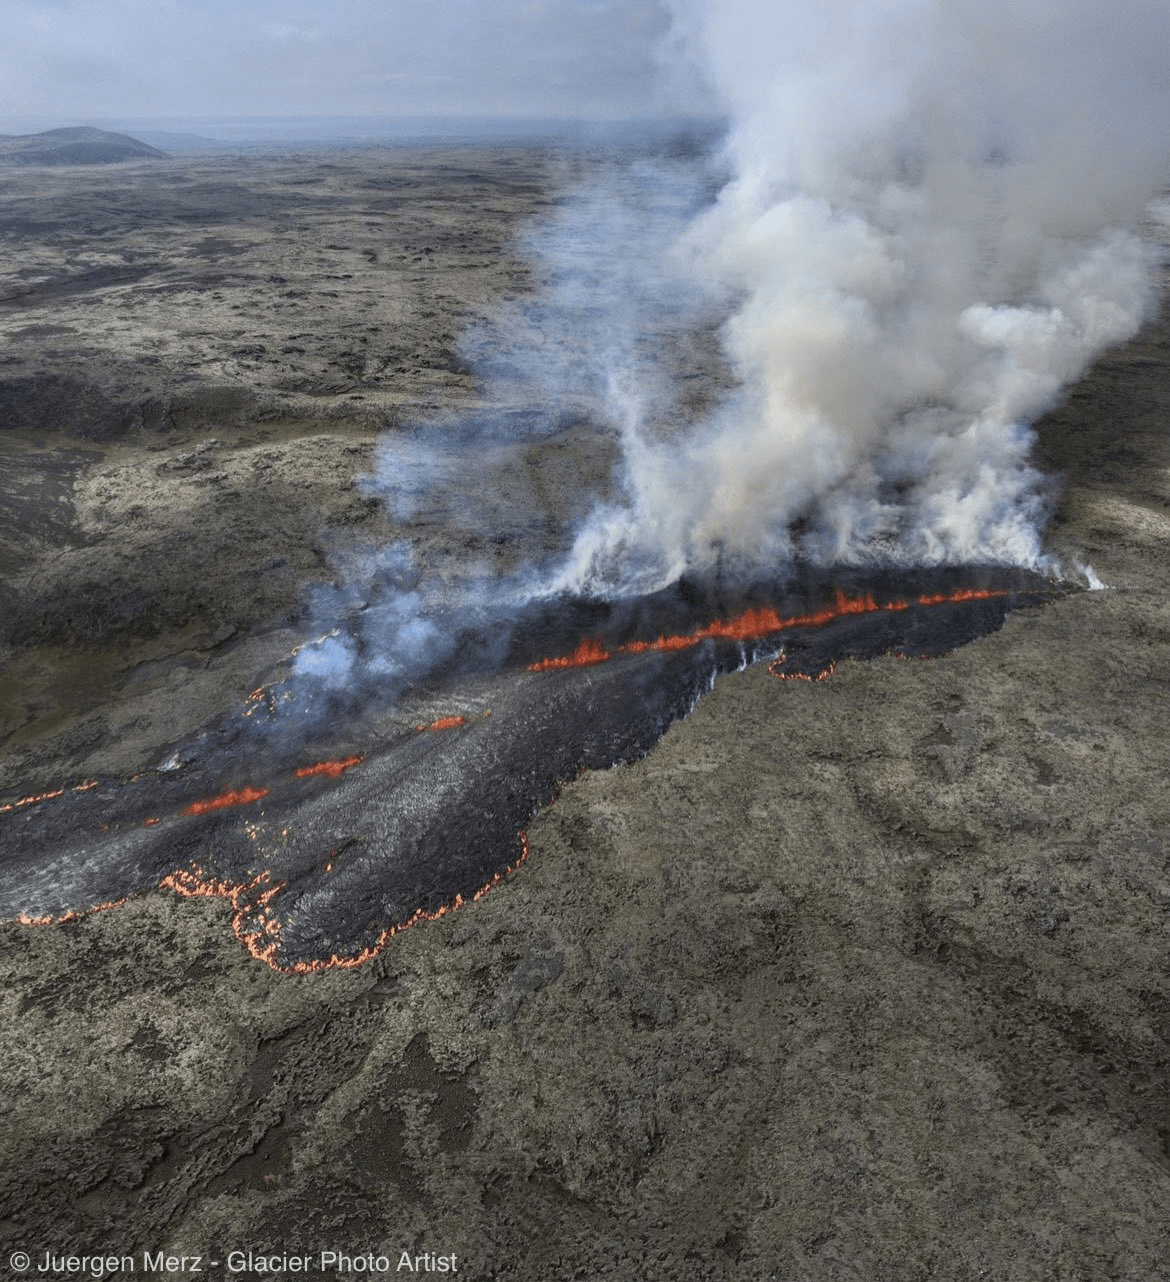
(381, 631)
(929, 234)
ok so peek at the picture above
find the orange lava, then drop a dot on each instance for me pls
(759, 622)
(963, 594)
(261, 935)
(47, 796)
(589, 651)
(253, 920)
(867, 604)
(237, 797)
(72, 915)
(40, 796)
(256, 926)
(447, 723)
(331, 769)
(247, 899)
(774, 669)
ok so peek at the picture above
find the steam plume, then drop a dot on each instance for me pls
(928, 233)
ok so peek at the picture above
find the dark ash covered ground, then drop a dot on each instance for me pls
(860, 979)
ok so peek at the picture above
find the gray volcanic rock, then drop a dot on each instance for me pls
(80, 145)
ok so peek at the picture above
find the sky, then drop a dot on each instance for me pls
(75, 61)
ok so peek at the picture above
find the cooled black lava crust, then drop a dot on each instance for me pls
(437, 790)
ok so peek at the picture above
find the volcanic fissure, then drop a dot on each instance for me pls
(322, 863)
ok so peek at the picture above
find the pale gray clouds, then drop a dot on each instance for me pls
(68, 59)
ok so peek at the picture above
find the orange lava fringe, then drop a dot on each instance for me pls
(252, 899)
(776, 664)
(756, 623)
(192, 883)
(47, 796)
(262, 940)
(72, 915)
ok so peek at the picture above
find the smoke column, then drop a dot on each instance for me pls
(928, 233)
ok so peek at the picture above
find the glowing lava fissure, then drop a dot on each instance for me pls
(233, 797)
(322, 862)
(758, 623)
(328, 769)
(442, 723)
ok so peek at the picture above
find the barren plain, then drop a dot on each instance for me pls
(864, 978)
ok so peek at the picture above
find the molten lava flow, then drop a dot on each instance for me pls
(246, 898)
(445, 723)
(589, 651)
(450, 722)
(776, 666)
(262, 938)
(40, 796)
(331, 769)
(756, 623)
(47, 796)
(73, 914)
(866, 605)
(963, 594)
(237, 797)
(254, 921)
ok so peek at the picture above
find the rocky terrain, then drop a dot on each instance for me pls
(863, 978)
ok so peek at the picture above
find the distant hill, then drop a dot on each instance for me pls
(78, 146)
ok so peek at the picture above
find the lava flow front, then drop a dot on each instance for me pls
(322, 863)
